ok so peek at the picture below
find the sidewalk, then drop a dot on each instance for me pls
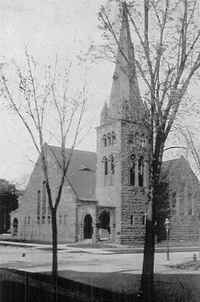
(106, 248)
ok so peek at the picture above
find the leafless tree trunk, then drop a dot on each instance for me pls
(167, 57)
(40, 97)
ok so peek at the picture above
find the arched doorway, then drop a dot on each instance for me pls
(104, 220)
(104, 225)
(15, 226)
(88, 229)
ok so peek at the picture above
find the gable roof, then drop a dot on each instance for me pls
(179, 171)
(81, 173)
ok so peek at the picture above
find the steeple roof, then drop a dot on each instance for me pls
(104, 114)
(125, 100)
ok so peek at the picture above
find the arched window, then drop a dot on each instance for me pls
(125, 109)
(131, 219)
(143, 141)
(104, 141)
(113, 137)
(141, 171)
(15, 226)
(109, 139)
(112, 164)
(132, 170)
(38, 202)
(105, 161)
(44, 198)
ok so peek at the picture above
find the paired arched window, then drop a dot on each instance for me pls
(136, 177)
(109, 165)
(109, 139)
(141, 171)
(132, 170)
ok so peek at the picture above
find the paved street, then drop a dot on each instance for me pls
(37, 257)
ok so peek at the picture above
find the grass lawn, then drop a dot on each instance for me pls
(169, 287)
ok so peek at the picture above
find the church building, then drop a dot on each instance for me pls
(105, 193)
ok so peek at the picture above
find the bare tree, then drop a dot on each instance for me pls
(38, 99)
(167, 57)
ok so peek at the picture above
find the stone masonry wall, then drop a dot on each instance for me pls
(132, 215)
(185, 228)
(133, 197)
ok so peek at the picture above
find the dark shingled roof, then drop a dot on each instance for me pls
(178, 169)
(82, 172)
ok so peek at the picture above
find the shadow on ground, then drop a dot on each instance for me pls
(73, 286)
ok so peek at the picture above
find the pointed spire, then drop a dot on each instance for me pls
(104, 114)
(125, 100)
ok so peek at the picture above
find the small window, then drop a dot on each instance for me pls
(60, 219)
(141, 171)
(109, 139)
(25, 220)
(132, 170)
(131, 219)
(104, 141)
(43, 219)
(143, 141)
(38, 202)
(105, 161)
(49, 219)
(38, 219)
(29, 219)
(113, 137)
(132, 176)
(112, 164)
(173, 199)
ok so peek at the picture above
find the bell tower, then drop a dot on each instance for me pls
(122, 146)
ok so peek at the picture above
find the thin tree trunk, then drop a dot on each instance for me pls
(147, 281)
(54, 251)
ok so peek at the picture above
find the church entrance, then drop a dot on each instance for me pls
(15, 226)
(104, 225)
(88, 228)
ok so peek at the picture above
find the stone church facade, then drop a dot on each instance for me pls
(105, 193)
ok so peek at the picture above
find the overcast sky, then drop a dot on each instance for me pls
(48, 28)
